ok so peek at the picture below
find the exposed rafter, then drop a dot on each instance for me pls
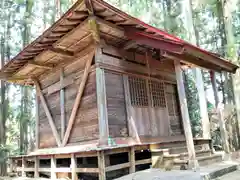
(81, 13)
(61, 51)
(129, 44)
(6, 76)
(37, 65)
(89, 7)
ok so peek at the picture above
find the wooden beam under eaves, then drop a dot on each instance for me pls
(143, 38)
(129, 45)
(61, 51)
(37, 65)
(9, 77)
(93, 26)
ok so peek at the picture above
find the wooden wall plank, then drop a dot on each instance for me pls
(48, 114)
(77, 100)
(165, 72)
(117, 120)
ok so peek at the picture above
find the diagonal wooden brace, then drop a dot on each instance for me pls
(78, 99)
(48, 114)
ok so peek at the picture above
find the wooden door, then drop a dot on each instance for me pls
(173, 109)
(147, 108)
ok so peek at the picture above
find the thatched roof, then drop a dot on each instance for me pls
(71, 34)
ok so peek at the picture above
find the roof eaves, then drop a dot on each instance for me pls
(41, 37)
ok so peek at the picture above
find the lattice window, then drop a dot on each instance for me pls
(138, 91)
(157, 94)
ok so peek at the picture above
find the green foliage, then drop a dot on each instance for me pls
(193, 105)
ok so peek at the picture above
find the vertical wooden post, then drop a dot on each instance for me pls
(193, 163)
(102, 107)
(37, 121)
(202, 104)
(101, 101)
(101, 166)
(10, 165)
(132, 160)
(128, 104)
(53, 168)
(132, 130)
(36, 167)
(23, 167)
(73, 167)
(62, 104)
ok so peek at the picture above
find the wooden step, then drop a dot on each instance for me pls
(214, 158)
(183, 149)
(203, 161)
(200, 153)
(176, 150)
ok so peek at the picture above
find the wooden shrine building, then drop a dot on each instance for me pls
(110, 95)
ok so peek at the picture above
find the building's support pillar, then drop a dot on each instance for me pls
(101, 166)
(11, 161)
(202, 104)
(36, 167)
(132, 160)
(193, 163)
(37, 122)
(73, 167)
(101, 102)
(53, 168)
(23, 167)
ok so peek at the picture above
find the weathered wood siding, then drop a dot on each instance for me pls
(148, 119)
(85, 126)
(117, 118)
(86, 123)
(173, 109)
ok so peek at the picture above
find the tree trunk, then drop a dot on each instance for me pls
(5, 49)
(193, 37)
(3, 154)
(25, 91)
